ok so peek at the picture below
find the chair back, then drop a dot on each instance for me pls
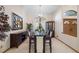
(32, 37)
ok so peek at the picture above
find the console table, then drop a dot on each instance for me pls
(17, 38)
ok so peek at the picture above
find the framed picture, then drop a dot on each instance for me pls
(17, 22)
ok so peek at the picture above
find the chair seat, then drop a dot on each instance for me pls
(32, 41)
(47, 41)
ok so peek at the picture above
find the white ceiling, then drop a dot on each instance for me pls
(41, 9)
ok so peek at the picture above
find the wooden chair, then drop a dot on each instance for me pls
(32, 40)
(47, 39)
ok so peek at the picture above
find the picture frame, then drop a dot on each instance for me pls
(17, 22)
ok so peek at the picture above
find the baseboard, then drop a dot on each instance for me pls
(5, 50)
(67, 45)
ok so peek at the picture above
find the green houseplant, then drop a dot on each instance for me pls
(40, 28)
(29, 27)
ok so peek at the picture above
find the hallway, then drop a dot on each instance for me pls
(57, 47)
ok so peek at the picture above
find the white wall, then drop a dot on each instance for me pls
(70, 40)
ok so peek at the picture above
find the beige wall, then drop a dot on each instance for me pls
(70, 40)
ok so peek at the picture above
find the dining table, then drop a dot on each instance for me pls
(39, 42)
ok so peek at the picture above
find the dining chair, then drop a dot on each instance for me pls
(32, 40)
(47, 40)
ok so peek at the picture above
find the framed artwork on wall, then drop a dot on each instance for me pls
(17, 22)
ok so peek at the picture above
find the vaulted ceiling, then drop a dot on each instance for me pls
(36, 10)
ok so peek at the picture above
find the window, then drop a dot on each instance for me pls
(70, 13)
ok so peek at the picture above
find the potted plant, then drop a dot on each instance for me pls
(29, 27)
(40, 29)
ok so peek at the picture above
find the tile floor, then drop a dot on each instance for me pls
(57, 47)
